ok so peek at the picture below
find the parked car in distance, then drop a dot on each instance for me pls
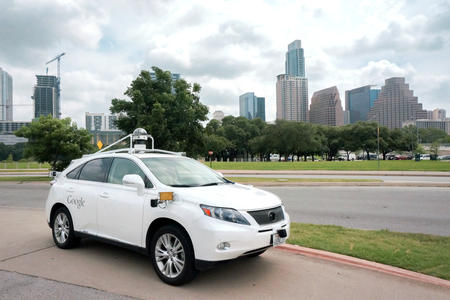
(184, 215)
(444, 157)
(424, 156)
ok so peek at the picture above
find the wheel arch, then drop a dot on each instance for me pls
(55, 207)
(160, 222)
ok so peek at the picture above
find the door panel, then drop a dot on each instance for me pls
(120, 213)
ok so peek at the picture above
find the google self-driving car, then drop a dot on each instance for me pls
(181, 213)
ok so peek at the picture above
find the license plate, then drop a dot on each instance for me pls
(277, 240)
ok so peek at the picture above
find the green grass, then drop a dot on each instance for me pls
(388, 165)
(427, 254)
(22, 170)
(261, 179)
(24, 178)
(23, 165)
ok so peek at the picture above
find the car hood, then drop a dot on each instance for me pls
(237, 196)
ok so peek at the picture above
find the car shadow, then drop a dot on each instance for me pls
(232, 273)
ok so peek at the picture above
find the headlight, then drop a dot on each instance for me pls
(225, 214)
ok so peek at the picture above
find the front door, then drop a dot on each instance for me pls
(120, 208)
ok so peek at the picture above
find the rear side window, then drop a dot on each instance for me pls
(74, 173)
(96, 170)
(121, 167)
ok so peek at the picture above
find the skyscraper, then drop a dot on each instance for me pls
(6, 96)
(102, 128)
(252, 107)
(396, 103)
(358, 102)
(100, 121)
(46, 96)
(439, 114)
(295, 59)
(326, 108)
(292, 98)
(292, 87)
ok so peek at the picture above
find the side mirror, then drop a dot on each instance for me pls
(134, 180)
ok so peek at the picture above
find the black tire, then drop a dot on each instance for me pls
(71, 240)
(188, 271)
(256, 254)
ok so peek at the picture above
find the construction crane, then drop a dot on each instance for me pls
(58, 81)
(59, 62)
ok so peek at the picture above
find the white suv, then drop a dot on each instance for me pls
(183, 214)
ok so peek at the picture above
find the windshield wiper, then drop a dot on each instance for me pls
(211, 183)
(182, 185)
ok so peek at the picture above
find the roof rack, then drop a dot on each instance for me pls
(132, 150)
(138, 151)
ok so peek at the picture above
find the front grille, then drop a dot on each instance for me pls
(267, 216)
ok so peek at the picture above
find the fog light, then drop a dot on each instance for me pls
(223, 246)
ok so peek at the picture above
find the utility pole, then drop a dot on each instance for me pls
(378, 146)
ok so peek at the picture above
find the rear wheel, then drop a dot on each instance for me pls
(172, 255)
(62, 229)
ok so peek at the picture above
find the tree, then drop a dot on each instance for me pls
(218, 144)
(365, 135)
(348, 141)
(55, 141)
(434, 148)
(170, 111)
(430, 135)
(333, 140)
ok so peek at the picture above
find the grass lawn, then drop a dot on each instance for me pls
(261, 179)
(25, 178)
(22, 170)
(427, 254)
(23, 165)
(388, 165)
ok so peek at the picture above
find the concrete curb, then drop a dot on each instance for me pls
(324, 172)
(365, 264)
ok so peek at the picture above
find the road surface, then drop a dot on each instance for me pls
(405, 209)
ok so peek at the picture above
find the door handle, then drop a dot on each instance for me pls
(104, 195)
(70, 190)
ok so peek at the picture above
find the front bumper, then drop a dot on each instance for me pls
(243, 239)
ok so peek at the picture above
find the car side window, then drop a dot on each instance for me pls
(96, 170)
(74, 173)
(121, 167)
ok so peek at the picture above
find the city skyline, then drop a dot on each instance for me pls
(218, 47)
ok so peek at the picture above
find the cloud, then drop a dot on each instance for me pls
(228, 47)
(30, 30)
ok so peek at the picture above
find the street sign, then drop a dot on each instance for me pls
(99, 144)
(210, 152)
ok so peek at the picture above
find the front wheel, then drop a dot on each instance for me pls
(172, 255)
(62, 229)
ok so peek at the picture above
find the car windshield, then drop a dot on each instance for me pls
(182, 172)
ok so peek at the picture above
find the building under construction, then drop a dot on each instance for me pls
(46, 97)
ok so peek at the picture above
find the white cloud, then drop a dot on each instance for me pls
(229, 47)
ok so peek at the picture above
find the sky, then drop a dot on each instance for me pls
(228, 47)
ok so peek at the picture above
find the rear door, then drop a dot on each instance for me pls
(83, 200)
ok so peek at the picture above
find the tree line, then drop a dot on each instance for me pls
(239, 137)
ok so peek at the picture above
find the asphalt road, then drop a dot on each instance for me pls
(436, 179)
(405, 209)
(98, 271)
